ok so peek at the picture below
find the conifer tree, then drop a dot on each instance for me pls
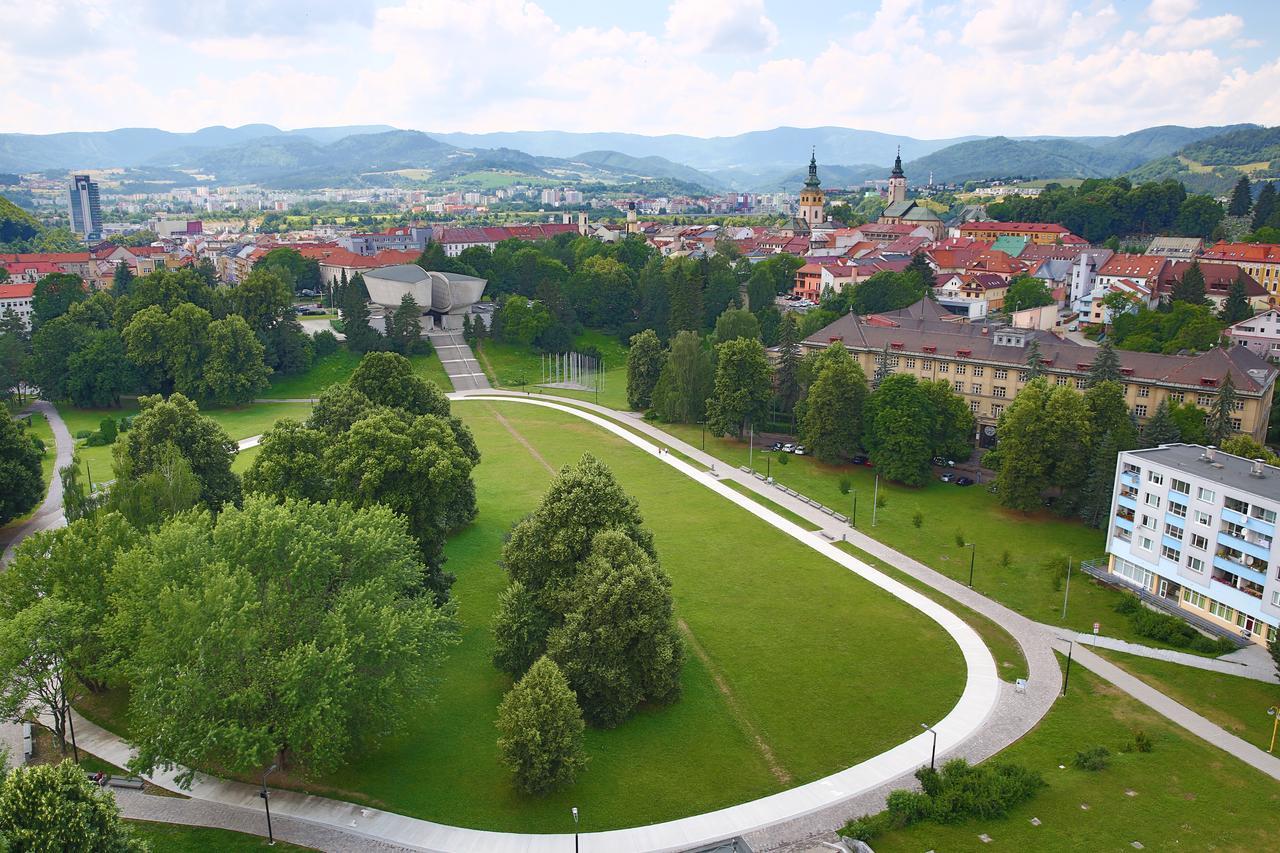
(1190, 288)
(1035, 362)
(1095, 502)
(122, 280)
(1236, 306)
(1241, 198)
(1160, 428)
(787, 380)
(1105, 367)
(1218, 423)
(1265, 206)
(882, 368)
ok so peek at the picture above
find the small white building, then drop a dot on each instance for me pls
(1260, 334)
(17, 298)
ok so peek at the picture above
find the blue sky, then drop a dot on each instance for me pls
(705, 67)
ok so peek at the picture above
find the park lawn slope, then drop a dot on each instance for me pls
(175, 838)
(1235, 703)
(1186, 794)
(520, 368)
(825, 668)
(337, 367)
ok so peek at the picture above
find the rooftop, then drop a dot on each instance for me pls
(1233, 472)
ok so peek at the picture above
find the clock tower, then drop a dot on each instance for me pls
(811, 197)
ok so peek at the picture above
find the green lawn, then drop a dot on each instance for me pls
(175, 838)
(1237, 704)
(812, 656)
(506, 364)
(38, 426)
(244, 459)
(338, 367)
(1186, 794)
(1023, 584)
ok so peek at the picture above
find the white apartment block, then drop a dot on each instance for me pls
(1197, 527)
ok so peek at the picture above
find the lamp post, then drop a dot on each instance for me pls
(768, 466)
(575, 829)
(933, 754)
(1071, 646)
(853, 519)
(704, 435)
(973, 555)
(1066, 592)
(266, 802)
(1274, 713)
(875, 499)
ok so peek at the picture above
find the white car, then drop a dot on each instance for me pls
(788, 448)
(799, 451)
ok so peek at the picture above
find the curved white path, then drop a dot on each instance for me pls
(976, 704)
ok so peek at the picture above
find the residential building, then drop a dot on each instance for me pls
(1260, 260)
(1218, 279)
(972, 295)
(17, 298)
(1176, 248)
(1084, 273)
(1043, 233)
(86, 208)
(401, 239)
(1196, 527)
(989, 362)
(1260, 334)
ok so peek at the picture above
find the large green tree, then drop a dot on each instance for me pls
(19, 470)
(833, 413)
(1190, 288)
(1027, 291)
(895, 431)
(288, 633)
(686, 381)
(1160, 428)
(736, 323)
(57, 807)
(234, 372)
(743, 387)
(645, 359)
(540, 727)
(787, 379)
(1043, 444)
(1241, 198)
(54, 295)
(404, 330)
(1105, 366)
(1236, 306)
(100, 373)
(201, 441)
(1218, 423)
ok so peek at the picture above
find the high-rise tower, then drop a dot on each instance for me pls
(86, 210)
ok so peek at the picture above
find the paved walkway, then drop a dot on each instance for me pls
(1252, 661)
(49, 513)
(459, 362)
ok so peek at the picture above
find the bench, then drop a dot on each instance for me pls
(132, 782)
(840, 518)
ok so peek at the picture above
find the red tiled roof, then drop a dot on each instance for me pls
(1218, 278)
(1016, 227)
(16, 291)
(1267, 253)
(1133, 266)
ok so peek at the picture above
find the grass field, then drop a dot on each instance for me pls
(1183, 795)
(38, 426)
(1021, 583)
(508, 364)
(173, 838)
(1237, 704)
(338, 367)
(793, 652)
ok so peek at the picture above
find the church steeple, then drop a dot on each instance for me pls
(812, 180)
(897, 180)
(897, 165)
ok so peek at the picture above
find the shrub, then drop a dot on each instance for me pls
(83, 433)
(882, 501)
(541, 730)
(1141, 741)
(1169, 629)
(783, 459)
(845, 485)
(108, 430)
(1128, 605)
(960, 543)
(1094, 758)
(1006, 559)
(325, 342)
(917, 519)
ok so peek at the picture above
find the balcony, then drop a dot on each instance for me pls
(1176, 520)
(1257, 525)
(1129, 501)
(1179, 498)
(1130, 477)
(1225, 564)
(1235, 598)
(1235, 517)
(1169, 541)
(1124, 523)
(1256, 550)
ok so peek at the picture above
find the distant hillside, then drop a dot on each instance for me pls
(832, 176)
(1001, 157)
(1161, 141)
(645, 167)
(1215, 164)
(16, 223)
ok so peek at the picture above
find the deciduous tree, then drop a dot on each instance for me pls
(645, 359)
(896, 433)
(686, 381)
(201, 441)
(48, 807)
(19, 470)
(743, 386)
(234, 372)
(540, 727)
(833, 413)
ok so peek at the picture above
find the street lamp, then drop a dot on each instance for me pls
(933, 754)
(1071, 646)
(973, 555)
(266, 802)
(704, 435)
(575, 829)
(1274, 713)
(853, 519)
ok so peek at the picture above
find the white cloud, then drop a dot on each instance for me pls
(1170, 11)
(720, 26)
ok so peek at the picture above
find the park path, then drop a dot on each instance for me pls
(1253, 661)
(459, 362)
(49, 513)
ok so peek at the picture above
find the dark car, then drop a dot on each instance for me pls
(777, 445)
(859, 459)
(963, 481)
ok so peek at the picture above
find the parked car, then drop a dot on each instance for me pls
(306, 292)
(777, 445)
(964, 481)
(943, 463)
(859, 459)
(799, 451)
(311, 312)
(788, 448)
(947, 477)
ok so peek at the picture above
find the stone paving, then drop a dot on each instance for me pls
(1252, 661)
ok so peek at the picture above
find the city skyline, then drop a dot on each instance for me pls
(982, 67)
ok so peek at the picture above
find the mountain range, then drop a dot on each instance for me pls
(1207, 158)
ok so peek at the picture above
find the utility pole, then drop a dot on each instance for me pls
(751, 447)
(875, 500)
(1066, 592)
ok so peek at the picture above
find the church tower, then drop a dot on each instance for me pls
(811, 197)
(897, 181)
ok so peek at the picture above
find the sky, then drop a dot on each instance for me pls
(700, 67)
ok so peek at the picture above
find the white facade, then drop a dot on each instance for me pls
(1197, 527)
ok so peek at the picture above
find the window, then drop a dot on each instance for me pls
(1180, 486)
(998, 391)
(996, 410)
(1203, 518)
(911, 364)
(1155, 477)
(1222, 611)
(959, 386)
(1196, 565)
(1236, 424)
(1275, 598)
(1204, 400)
(1205, 495)
(1022, 376)
(1238, 406)
(979, 370)
(1173, 531)
(1236, 505)
(926, 364)
(1140, 410)
(973, 406)
(1200, 542)
(1144, 390)
(1153, 500)
(1001, 373)
(1079, 384)
(1193, 598)
(1133, 572)
(961, 370)
(893, 361)
(1148, 522)
(1061, 382)
(944, 366)
(1177, 509)
(1144, 543)
(1262, 514)
(1176, 398)
(975, 388)
(1130, 468)
(1172, 554)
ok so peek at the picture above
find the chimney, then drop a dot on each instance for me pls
(1256, 470)
(1209, 453)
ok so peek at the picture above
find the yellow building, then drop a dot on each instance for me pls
(1260, 260)
(812, 199)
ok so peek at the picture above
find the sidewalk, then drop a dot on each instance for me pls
(1252, 661)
